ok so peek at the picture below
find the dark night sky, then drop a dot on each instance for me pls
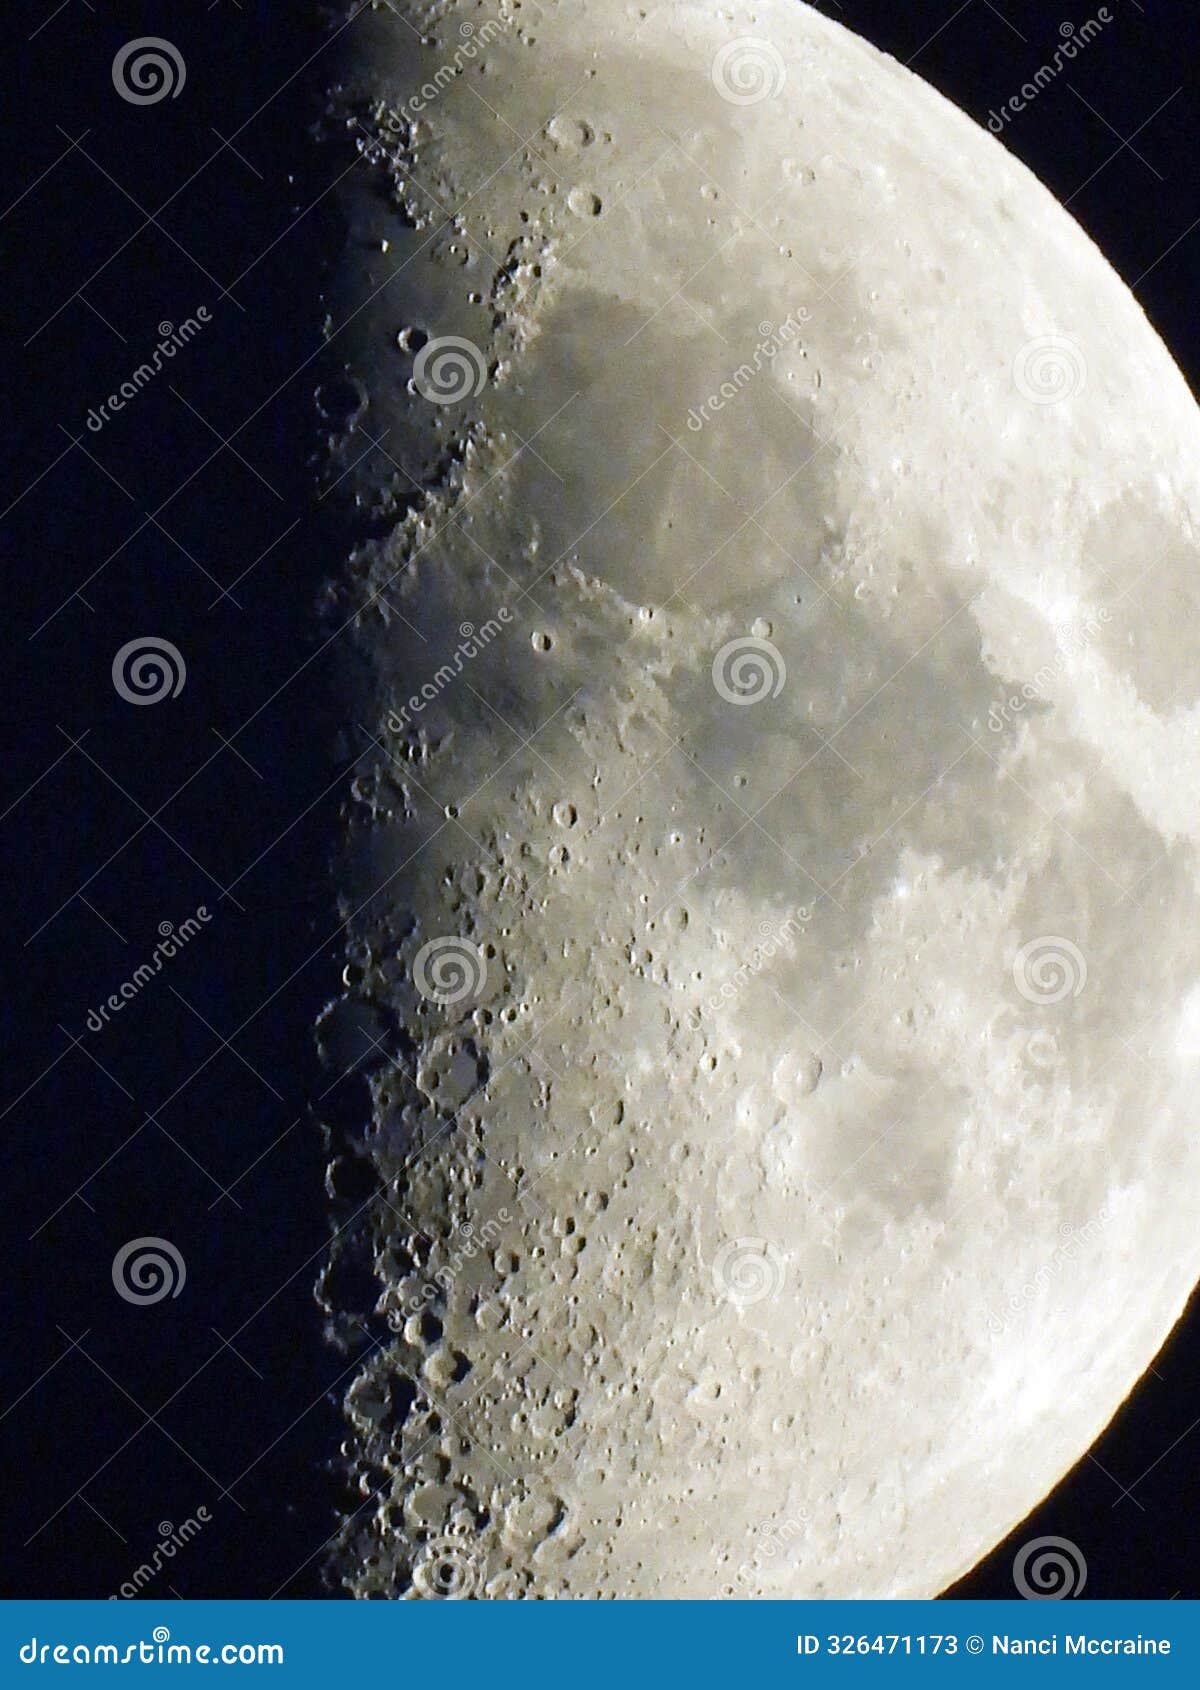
(191, 517)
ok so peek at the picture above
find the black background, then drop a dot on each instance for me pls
(192, 517)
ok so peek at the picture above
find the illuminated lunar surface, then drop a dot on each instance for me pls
(771, 866)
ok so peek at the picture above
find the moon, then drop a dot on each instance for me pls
(770, 872)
